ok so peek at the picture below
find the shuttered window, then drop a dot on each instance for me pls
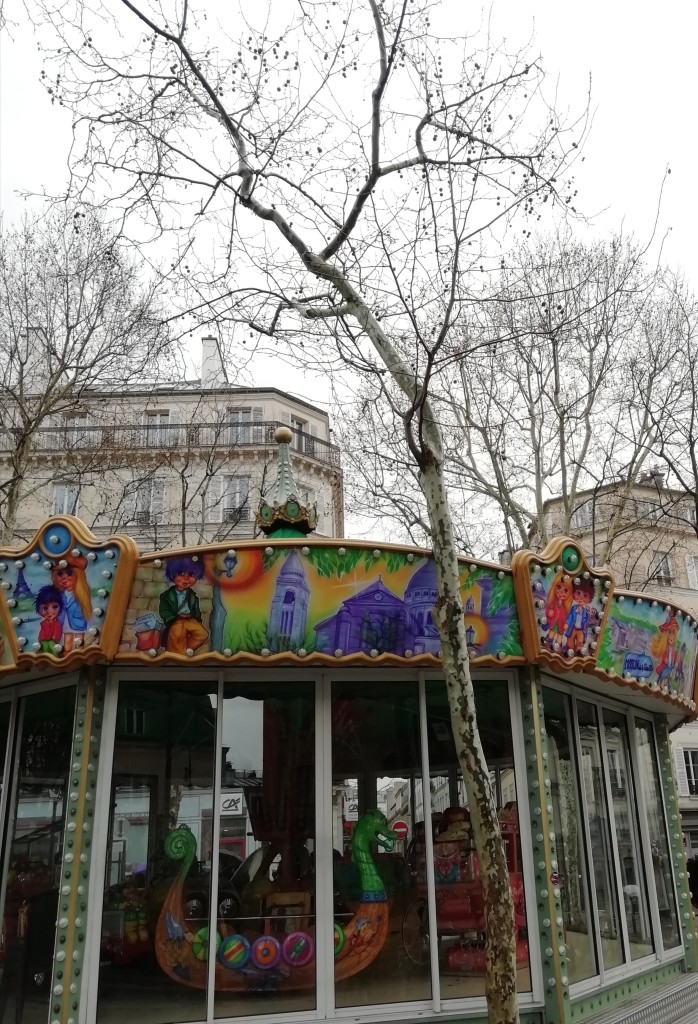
(681, 773)
(692, 570)
(690, 760)
(150, 502)
(246, 425)
(228, 499)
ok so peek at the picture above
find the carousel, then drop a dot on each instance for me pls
(230, 788)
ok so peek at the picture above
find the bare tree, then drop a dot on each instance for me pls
(355, 177)
(565, 399)
(672, 404)
(75, 317)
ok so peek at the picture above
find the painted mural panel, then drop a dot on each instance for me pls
(650, 641)
(57, 594)
(310, 600)
(563, 601)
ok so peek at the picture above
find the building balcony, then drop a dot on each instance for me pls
(114, 441)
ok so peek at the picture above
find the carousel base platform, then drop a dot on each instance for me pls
(675, 1002)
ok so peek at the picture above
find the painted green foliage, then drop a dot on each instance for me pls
(363, 600)
(332, 563)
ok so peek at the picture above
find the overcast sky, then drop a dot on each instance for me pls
(641, 60)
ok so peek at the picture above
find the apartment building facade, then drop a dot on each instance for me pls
(645, 533)
(176, 464)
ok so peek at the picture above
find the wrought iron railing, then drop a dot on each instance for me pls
(170, 436)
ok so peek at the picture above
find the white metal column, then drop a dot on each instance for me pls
(98, 860)
(324, 862)
(429, 849)
(215, 857)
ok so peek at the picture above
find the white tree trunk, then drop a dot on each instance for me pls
(500, 944)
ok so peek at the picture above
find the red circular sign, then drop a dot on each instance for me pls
(401, 827)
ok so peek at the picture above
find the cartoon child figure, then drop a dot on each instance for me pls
(179, 606)
(49, 605)
(663, 648)
(557, 608)
(71, 581)
(577, 622)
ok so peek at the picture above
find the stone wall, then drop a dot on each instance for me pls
(149, 582)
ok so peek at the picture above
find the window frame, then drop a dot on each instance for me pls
(156, 423)
(245, 429)
(156, 490)
(64, 511)
(629, 968)
(239, 510)
(583, 516)
(662, 570)
(691, 764)
(648, 510)
(436, 1007)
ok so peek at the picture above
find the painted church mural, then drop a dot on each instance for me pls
(305, 601)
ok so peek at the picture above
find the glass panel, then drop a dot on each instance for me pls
(35, 830)
(377, 821)
(156, 907)
(659, 840)
(598, 823)
(5, 711)
(627, 830)
(266, 897)
(459, 904)
(569, 838)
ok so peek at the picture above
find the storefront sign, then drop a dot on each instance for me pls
(233, 802)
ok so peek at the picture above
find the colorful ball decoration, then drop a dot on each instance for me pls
(266, 952)
(199, 944)
(338, 939)
(298, 949)
(56, 539)
(234, 952)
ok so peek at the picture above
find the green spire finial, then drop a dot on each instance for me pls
(281, 514)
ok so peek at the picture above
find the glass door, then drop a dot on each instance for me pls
(33, 831)
(460, 912)
(157, 886)
(377, 831)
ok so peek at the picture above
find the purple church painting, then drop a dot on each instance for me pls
(376, 619)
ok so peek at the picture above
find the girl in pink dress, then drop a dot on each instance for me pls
(557, 609)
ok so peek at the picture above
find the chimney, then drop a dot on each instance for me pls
(213, 373)
(657, 477)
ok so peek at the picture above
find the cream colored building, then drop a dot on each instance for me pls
(653, 543)
(175, 464)
(655, 547)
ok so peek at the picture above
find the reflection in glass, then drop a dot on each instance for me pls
(627, 831)
(569, 843)
(5, 709)
(162, 786)
(266, 897)
(599, 831)
(35, 835)
(376, 767)
(627, 836)
(659, 840)
(459, 902)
